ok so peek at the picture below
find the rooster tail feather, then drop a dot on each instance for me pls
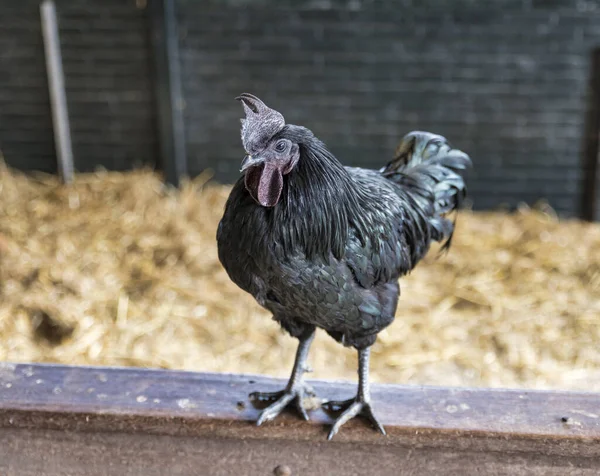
(430, 171)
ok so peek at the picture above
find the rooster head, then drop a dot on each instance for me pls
(268, 155)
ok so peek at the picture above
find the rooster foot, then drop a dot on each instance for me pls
(282, 399)
(351, 408)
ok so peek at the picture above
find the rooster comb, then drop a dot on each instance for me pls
(261, 122)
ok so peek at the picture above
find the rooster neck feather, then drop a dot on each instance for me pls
(320, 205)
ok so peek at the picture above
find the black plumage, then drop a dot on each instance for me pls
(323, 245)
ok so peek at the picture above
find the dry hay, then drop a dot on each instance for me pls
(119, 270)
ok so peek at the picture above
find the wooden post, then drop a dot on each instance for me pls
(592, 144)
(56, 86)
(169, 96)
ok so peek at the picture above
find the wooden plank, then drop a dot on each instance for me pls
(592, 143)
(169, 96)
(97, 421)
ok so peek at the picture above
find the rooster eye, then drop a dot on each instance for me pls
(280, 147)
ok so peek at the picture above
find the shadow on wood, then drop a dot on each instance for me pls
(126, 421)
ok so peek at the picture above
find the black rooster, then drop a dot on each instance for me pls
(323, 245)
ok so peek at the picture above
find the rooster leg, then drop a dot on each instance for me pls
(295, 391)
(361, 404)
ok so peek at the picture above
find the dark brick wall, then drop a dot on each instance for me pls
(107, 67)
(504, 80)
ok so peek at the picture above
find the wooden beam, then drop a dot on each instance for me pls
(169, 95)
(96, 421)
(592, 143)
(56, 86)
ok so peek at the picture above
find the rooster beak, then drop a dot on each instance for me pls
(250, 161)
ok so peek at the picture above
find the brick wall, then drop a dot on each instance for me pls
(504, 80)
(107, 68)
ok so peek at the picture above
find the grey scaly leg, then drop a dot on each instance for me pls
(295, 390)
(361, 404)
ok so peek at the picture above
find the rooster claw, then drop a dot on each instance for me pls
(281, 400)
(351, 408)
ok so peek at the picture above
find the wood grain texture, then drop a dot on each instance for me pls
(104, 421)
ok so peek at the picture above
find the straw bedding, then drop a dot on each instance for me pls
(119, 270)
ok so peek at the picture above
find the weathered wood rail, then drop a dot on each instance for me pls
(59, 420)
